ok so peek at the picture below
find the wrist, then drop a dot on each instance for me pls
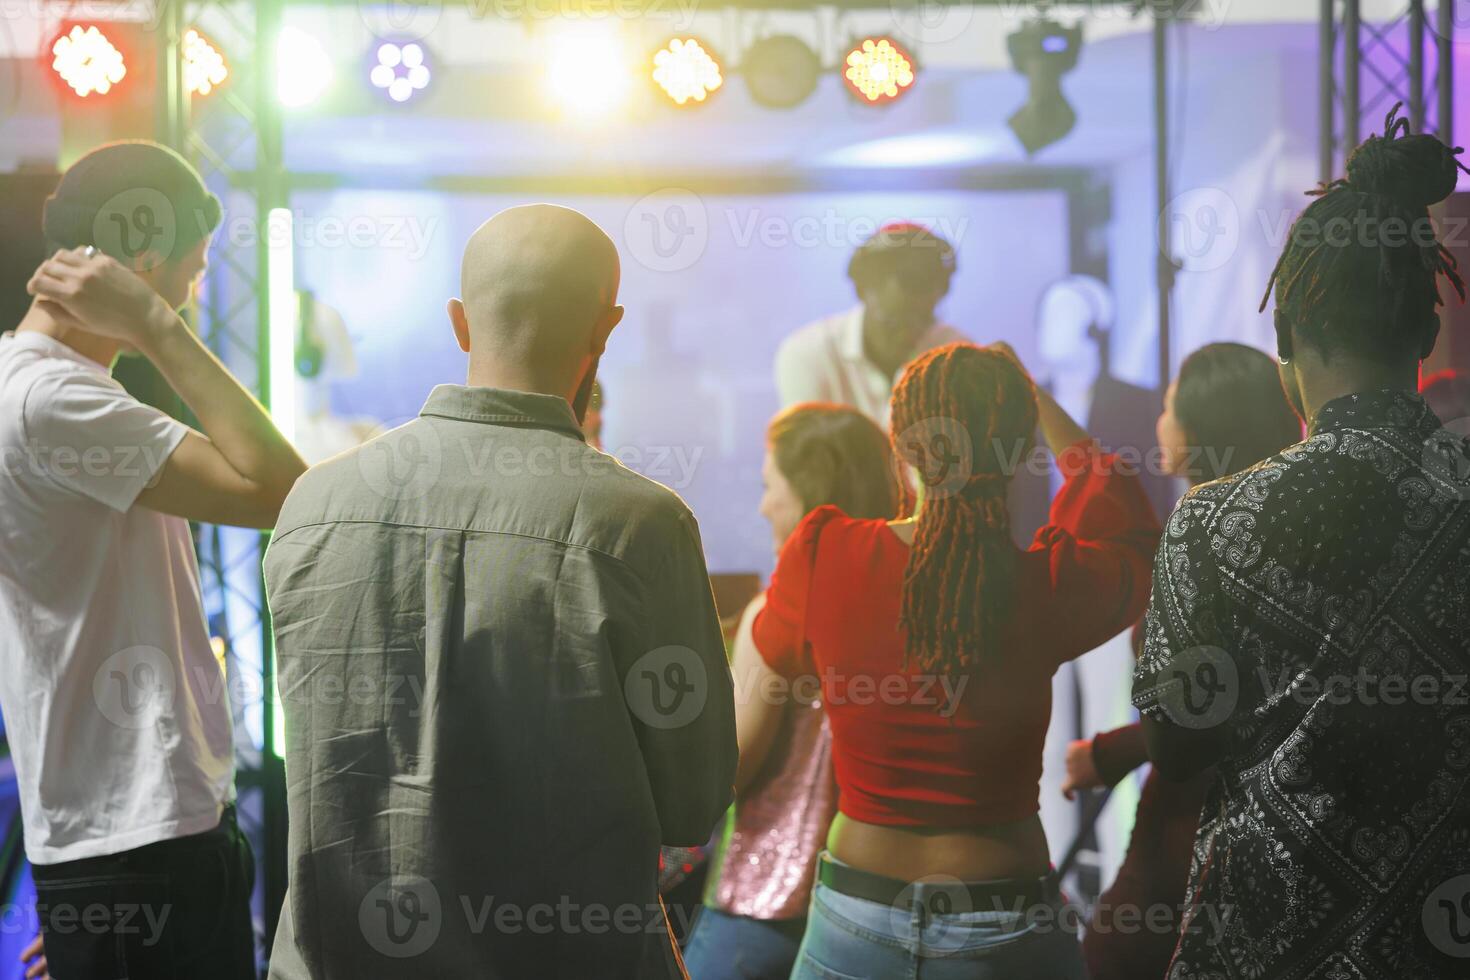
(161, 328)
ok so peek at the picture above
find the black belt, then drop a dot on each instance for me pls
(1001, 895)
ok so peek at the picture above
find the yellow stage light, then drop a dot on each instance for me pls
(87, 61)
(878, 70)
(686, 71)
(204, 66)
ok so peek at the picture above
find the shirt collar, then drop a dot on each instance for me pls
(51, 347)
(502, 406)
(850, 336)
(1387, 408)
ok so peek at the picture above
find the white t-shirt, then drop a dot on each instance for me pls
(825, 362)
(115, 706)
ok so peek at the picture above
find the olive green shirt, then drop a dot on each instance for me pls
(504, 686)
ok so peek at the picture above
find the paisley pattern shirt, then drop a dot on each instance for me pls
(1318, 605)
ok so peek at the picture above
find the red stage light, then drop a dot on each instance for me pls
(878, 70)
(87, 61)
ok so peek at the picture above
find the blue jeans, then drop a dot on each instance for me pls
(733, 947)
(851, 938)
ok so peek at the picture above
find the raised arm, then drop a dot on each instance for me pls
(240, 468)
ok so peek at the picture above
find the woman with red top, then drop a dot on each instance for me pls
(935, 640)
(760, 880)
(1200, 443)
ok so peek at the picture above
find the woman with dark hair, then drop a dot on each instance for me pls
(761, 875)
(935, 639)
(1224, 412)
(1321, 598)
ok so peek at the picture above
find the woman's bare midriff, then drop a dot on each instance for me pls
(1011, 850)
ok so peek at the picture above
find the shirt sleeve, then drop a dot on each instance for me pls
(779, 630)
(1099, 540)
(1185, 675)
(797, 378)
(94, 439)
(681, 696)
(1117, 753)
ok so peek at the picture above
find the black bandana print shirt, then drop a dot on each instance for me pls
(1318, 604)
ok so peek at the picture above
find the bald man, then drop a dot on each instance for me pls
(503, 677)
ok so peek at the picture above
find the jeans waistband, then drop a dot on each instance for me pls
(937, 894)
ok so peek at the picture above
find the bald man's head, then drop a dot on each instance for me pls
(539, 288)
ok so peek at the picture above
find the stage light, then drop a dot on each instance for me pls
(781, 71)
(878, 70)
(1044, 51)
(587, 70)
(303, 71)
(87, 61)
(400, 69)
(204, 66)
(685, 70)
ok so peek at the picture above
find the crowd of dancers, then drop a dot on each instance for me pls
(506, 687)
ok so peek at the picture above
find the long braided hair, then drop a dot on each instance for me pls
(961, 414)
(1363, 259)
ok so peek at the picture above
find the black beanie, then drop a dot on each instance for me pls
(131, 197)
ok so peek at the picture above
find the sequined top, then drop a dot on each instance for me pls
(769, 856)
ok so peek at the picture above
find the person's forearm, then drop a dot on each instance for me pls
(1058, 428)
(230, 416)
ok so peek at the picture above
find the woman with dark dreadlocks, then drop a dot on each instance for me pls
(934, 640)
(1309, 631)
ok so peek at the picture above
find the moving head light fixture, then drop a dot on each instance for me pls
(1043, 51)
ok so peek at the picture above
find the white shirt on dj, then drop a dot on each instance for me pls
(824, 361)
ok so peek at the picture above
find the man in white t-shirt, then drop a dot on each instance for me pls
(854, 358)
(115, 705)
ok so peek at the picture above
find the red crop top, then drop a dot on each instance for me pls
(916, 750)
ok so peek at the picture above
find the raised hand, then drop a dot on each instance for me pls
(94, 292)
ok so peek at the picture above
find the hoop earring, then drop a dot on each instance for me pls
(1283, 361)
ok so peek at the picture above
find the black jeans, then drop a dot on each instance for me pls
(175, 909)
